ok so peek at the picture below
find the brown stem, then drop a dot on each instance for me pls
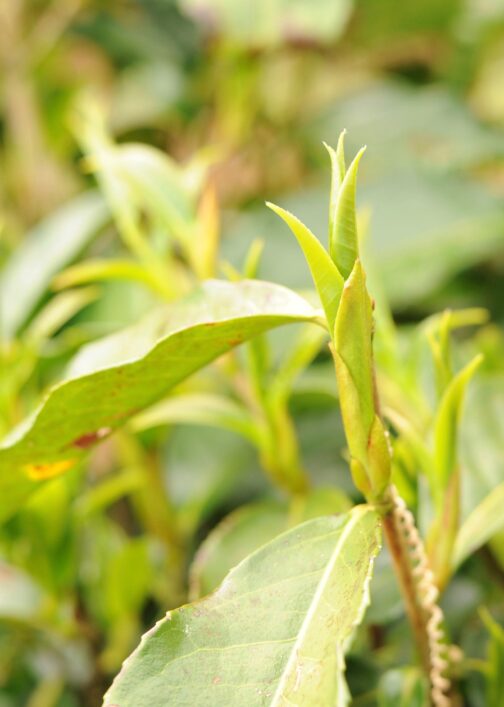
(420, 595)
(405, 578)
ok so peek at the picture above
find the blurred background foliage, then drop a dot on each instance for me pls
(236, 99)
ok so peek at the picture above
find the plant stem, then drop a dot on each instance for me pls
(420, 596)
(405, 579)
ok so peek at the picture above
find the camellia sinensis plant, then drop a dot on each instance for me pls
(276, 630)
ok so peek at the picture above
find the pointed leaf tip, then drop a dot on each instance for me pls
(325, 274)
(343, 236)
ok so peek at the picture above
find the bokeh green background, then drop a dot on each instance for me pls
(250, 89)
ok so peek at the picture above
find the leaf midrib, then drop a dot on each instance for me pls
(317, 599)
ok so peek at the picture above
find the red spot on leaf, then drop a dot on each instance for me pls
(90, 438)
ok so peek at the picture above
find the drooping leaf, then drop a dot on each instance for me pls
(274, 632)
(47, 248)
(325, 274)
(483, 523)
(113, 379)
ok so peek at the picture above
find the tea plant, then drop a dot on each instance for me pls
(277, 628)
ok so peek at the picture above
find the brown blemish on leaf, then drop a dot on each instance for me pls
(89, 438)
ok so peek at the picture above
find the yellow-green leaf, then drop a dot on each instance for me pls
(325, 274)
(343, 237)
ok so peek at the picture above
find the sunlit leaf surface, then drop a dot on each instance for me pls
(111, 380)
(274, 632)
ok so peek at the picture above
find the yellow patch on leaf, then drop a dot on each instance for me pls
(40, 472)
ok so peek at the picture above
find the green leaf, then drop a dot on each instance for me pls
(47, 248)
(446, 427)
(250, 526)
(483, 523)
(343, 237)
(338, 171)
(325, 274)
(403, 687)
(353, 357)
(98, 270)
(200, 409)
(58, 311)
(495, 665)
(275, 631)
(111, 380)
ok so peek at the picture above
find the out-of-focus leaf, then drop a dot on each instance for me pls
(446, 429)
(495, 671)
(251, 526)
(200, 409)
(20, 598)
(115, 378)
(483, 523)
(481, 436)
(58, 311)
(430, 217)
(201, 484)
(124, 591)
(275, 630)
(402, 688)
(325, 274)
(103, 270)
(270, 22)
(408, 126)
(46, 249)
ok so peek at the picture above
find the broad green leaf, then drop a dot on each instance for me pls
(113, 379)
(343, 237)
(250, 526)
(483, 523)
(446, 427)
(275, 631)
(325, 274)
(48, 247)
